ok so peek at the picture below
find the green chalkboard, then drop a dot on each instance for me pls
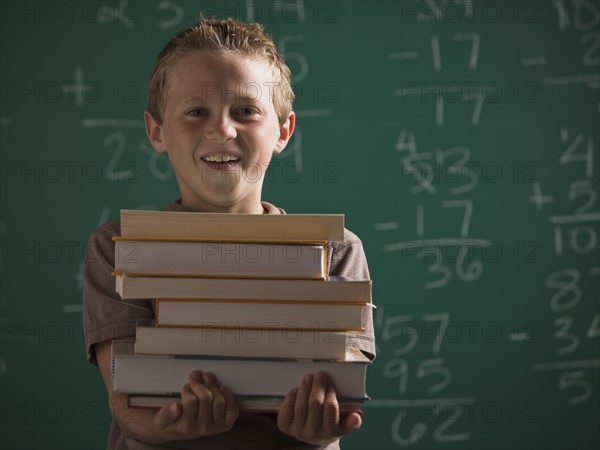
(459, 137)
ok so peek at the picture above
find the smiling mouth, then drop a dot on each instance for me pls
(221, 163)
(220, 158)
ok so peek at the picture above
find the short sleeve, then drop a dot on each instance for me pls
(105, 315)
(348, 259)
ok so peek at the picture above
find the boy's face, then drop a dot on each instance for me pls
(220, 130)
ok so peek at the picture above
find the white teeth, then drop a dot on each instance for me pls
(220, 158)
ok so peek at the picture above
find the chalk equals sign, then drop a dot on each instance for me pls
(519, 337)
(537, 61)
(385, 226)
(402, 55)
(72, 309)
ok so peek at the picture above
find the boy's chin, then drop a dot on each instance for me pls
(230, 195)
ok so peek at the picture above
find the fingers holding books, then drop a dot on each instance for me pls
(311, 412)
(206, 409)
(224, 411)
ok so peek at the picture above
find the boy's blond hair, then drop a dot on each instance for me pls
(247, 39)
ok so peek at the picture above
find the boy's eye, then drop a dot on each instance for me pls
(196, 112)
(247, 111)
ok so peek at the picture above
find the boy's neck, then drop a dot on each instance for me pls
(242, 208)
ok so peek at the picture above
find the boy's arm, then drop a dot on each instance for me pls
(347, 258)
(206, 409)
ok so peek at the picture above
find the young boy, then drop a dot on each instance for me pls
(220, 106)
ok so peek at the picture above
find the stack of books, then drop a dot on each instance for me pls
(243, 296)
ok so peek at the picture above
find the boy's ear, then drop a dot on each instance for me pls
(285, 133)
(155, 133)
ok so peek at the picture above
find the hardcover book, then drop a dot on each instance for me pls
(342, 289)
(232, 227)
(290, 343)
(220, 259)
(166, 374)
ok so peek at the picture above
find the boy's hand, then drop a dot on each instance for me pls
(206, 408)
(311, 412)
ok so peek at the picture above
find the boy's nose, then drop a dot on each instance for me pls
(220, 129)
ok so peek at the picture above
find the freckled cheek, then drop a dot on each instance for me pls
(188, 128)
(187, 134)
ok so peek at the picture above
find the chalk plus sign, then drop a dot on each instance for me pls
(77, 87)
(538, 199)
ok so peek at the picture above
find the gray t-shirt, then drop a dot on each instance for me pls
(107, 317)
